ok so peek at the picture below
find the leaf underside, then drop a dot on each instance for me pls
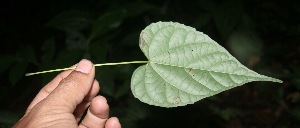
(185, 66)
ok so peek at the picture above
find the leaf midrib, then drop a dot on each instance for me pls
(202, 69)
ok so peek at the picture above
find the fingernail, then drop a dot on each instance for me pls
(84, 66)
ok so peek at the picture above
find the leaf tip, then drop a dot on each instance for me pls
(273, 79)
(278, 81)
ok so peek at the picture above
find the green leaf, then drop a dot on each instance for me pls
(185, 66)
(107, 22)
(76, 41)
(98, 50)
(244, 45)
(227, 17)
(112, 19)
(136, 8)
(71, 20)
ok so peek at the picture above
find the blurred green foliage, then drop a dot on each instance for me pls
(264, 35)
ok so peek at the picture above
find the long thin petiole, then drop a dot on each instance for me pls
(120, 63)
(96, 65)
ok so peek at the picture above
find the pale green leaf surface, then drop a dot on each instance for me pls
(185, 66)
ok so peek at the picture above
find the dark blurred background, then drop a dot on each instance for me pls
(40, 35)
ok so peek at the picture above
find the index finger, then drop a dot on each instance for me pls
(46, 90)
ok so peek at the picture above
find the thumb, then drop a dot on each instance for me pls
(73, 88)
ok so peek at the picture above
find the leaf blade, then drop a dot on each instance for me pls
(185, 66)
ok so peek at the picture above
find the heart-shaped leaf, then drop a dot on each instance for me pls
(185, 66)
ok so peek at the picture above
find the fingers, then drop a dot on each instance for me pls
(113, 122)
(72, 92)
(72, 89)
(97, 115)
(46, 90)
(80, 109)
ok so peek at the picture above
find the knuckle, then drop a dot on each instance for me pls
(73, 79)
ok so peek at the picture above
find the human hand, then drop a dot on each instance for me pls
(62, 102)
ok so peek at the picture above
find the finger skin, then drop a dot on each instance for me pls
(46, 90)
(80, 109)
(62, 102)
(113, 122)
(57, 108)
(72, 89)
(97, 114)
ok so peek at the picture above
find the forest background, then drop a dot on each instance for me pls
(263, 35)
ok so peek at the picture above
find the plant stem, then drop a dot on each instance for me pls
(96, 65)
(120, 63)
